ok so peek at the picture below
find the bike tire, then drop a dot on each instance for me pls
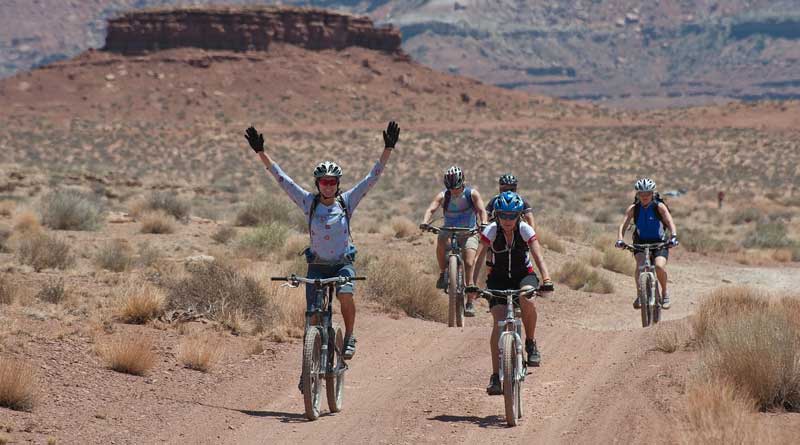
(460, 298)
(312, 347)
(452, 290)
(656, 309)
(334, 381)
(644, 299)
(511, 388)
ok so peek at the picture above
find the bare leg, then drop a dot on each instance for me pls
(348, 307)
(661, 273)
(498, 313)
(529, 316)
(469, 265)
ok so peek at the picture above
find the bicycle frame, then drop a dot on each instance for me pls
(651, 309)
(455, 249)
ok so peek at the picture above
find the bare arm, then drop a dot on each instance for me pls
(536, 252)
(266, 160)
(435, 204)
(624, 226)
(480, 208)
(528, 217)
(666, 216)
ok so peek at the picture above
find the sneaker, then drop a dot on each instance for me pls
(469, 310)
(440, 283)
(665, 303)
(349, 347)
(494, 388)
(534, 358)
(300, 385)
(637, 304)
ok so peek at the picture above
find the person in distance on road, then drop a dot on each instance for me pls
(331, 252)
(510, 239)
(649, 214)
(463, 207)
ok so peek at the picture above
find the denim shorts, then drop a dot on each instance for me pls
(329, 271)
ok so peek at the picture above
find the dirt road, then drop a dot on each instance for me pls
(419, 382)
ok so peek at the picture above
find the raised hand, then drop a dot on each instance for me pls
(255, 139)
(391, 134)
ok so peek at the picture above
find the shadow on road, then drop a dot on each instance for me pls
(283, 417)
(483, 422)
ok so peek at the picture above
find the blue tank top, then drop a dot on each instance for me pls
(648, 225)
(460, 212)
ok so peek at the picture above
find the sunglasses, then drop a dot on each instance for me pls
(507, 215)
(508, 188)
(328, 181)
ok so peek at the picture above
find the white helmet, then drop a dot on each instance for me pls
(453, 178)
(327, 168)
(645, 185)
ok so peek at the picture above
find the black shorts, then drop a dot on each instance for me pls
(655, 253)
(505, 283)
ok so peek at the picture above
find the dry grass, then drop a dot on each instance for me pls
(669, 338)
(403, 227)
(148, 255)
(200, 352)
(294, 245)
(157, 222)
(7, 208)
(767, 235)
(53, 292)
(70, 209)
(115, 255)
(703, 242)
(722, 305)
(718, 415)
(265, 239)
(167, 202)
(140, 302)
(132, 354)
(17, 385)
(396, 283)
(224, 234)
(550, 240)
(5, 235)
(26, 222)
(619, 261)
(269, 208)
(578, 276)
(8, 291)
(595, 259)
(746, 215)
(782, 255)
(42, 251)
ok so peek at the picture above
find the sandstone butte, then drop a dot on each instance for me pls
(246, 29)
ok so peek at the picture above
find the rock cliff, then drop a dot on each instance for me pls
(243, 29)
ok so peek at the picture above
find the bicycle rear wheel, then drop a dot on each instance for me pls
(311, 365)
(460, 298)
(452, 290)
(657, 306)
(644, 299)
(334, 380)
(511, 387)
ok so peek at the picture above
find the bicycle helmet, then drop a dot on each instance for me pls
(508, 179)
(508, 202)
(453, 178)
(327, 168)
(645, 185)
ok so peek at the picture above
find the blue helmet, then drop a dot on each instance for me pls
(508, 202)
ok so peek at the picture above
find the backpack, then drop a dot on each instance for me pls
(447, 197)
(341, 202)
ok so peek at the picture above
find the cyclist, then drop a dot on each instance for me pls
(331, 252)
(507, 182)
(462, 207)
(649, 214)
(510, 239)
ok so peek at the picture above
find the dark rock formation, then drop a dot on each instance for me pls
(243, 29)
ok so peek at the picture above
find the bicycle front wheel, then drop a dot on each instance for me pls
(460, 297)
(311, 365)
(511, 386)
(644, 299)
(452, 290)
(334, 379)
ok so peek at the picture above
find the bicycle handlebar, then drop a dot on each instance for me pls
(488, 293)
(434, 229)
(653, 246)
(294, 279)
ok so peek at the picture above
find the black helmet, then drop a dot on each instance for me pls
(508, 179)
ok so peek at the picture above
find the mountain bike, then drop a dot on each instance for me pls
(454, 278)
(648, 289)
(513, 368)
(323, 345)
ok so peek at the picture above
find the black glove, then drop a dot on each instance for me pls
(255, 139)
(547, 286)
(673, 241)
(391, 134)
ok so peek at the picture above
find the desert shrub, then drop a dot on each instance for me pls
(7, 208)
(394, 282)
(221, 292)
(403, 227)
(767, 235)
(5, 234)
(745, 215)
(564, 225)
(668, 339)
(147, 254)
(759, 352)
(140, 302)
(702, 241)
(26, 222)
(619, 261)
(796, 253)
(169, 203)
(224, 234)
(578, 276)
(718, 414)
(549, 240)
(157, 222)
(42, 251)
(17, 385)
(70, 209)
(267, 209)
(200, 352)
(115, 255)
(294, 246)
(52, 292)
(595, 259)
(131, 354)
(265, 238)
(721, 305)
(8, 291)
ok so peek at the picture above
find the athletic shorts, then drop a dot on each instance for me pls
(502, 282)
(465, 241)
(329, 271)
